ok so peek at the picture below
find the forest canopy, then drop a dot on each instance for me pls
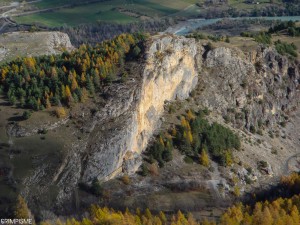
(45, 81)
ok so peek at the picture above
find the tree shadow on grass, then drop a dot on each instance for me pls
(5, 104)
(16, 119)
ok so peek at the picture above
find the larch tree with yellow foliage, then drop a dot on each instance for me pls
(21, 211)
(204, 158)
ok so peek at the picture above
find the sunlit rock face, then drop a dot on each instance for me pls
(169, 73)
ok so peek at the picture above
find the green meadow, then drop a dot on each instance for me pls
(115, 11)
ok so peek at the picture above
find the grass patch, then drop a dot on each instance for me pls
(105, 11)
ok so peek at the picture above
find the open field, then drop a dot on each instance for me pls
(56, 13)
(116, 11)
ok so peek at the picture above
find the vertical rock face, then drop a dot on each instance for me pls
(169, 73)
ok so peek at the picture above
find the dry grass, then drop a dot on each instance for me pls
(19, 44)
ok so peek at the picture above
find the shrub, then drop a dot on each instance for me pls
(244, 84)
(197, 36)
(248, 180)
(286, 48)
(263, 38)
(262, 164)
(283, 123)
(136, 51)
(226, 118)
(274, 151)
(26, 115)
(258, 66)
(227, 39)
(96, 187)
(188, 159)
(60, 112)
(236, 191)
(260, 132)
(153, 169)
(126, 179)
(144, 170)
(209, 46)
(252, 129)
(271, 134)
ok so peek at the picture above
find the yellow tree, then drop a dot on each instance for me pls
(47, 101)
(181, 218)
(30, 63)
(52, 60)
(83, 79)
(69, 97)
(64, 69)
(204, 159)
(190, 115)
(42, 73)
(84, 95)
(190, 137)
(184, 122)
(4, 72)
(21, 211)
(266, 217)
(162, 217)
(295, 215)
(74, 85)
(53, 72)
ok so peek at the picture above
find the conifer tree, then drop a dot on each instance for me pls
(21, 211)
(204, 159)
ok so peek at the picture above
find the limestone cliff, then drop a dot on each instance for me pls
(169, 73)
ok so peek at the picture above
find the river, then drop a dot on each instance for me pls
(188, 26)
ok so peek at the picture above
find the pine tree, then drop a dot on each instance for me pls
(47, 103)
(148, 214)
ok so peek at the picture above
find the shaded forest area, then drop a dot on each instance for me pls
(94, 33)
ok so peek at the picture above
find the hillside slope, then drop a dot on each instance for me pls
(103, 138)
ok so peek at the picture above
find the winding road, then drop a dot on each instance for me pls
(12, 7)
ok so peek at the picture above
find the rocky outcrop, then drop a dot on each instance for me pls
(57, 41)
(251, 89)
(18, 44)
(169, 73)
